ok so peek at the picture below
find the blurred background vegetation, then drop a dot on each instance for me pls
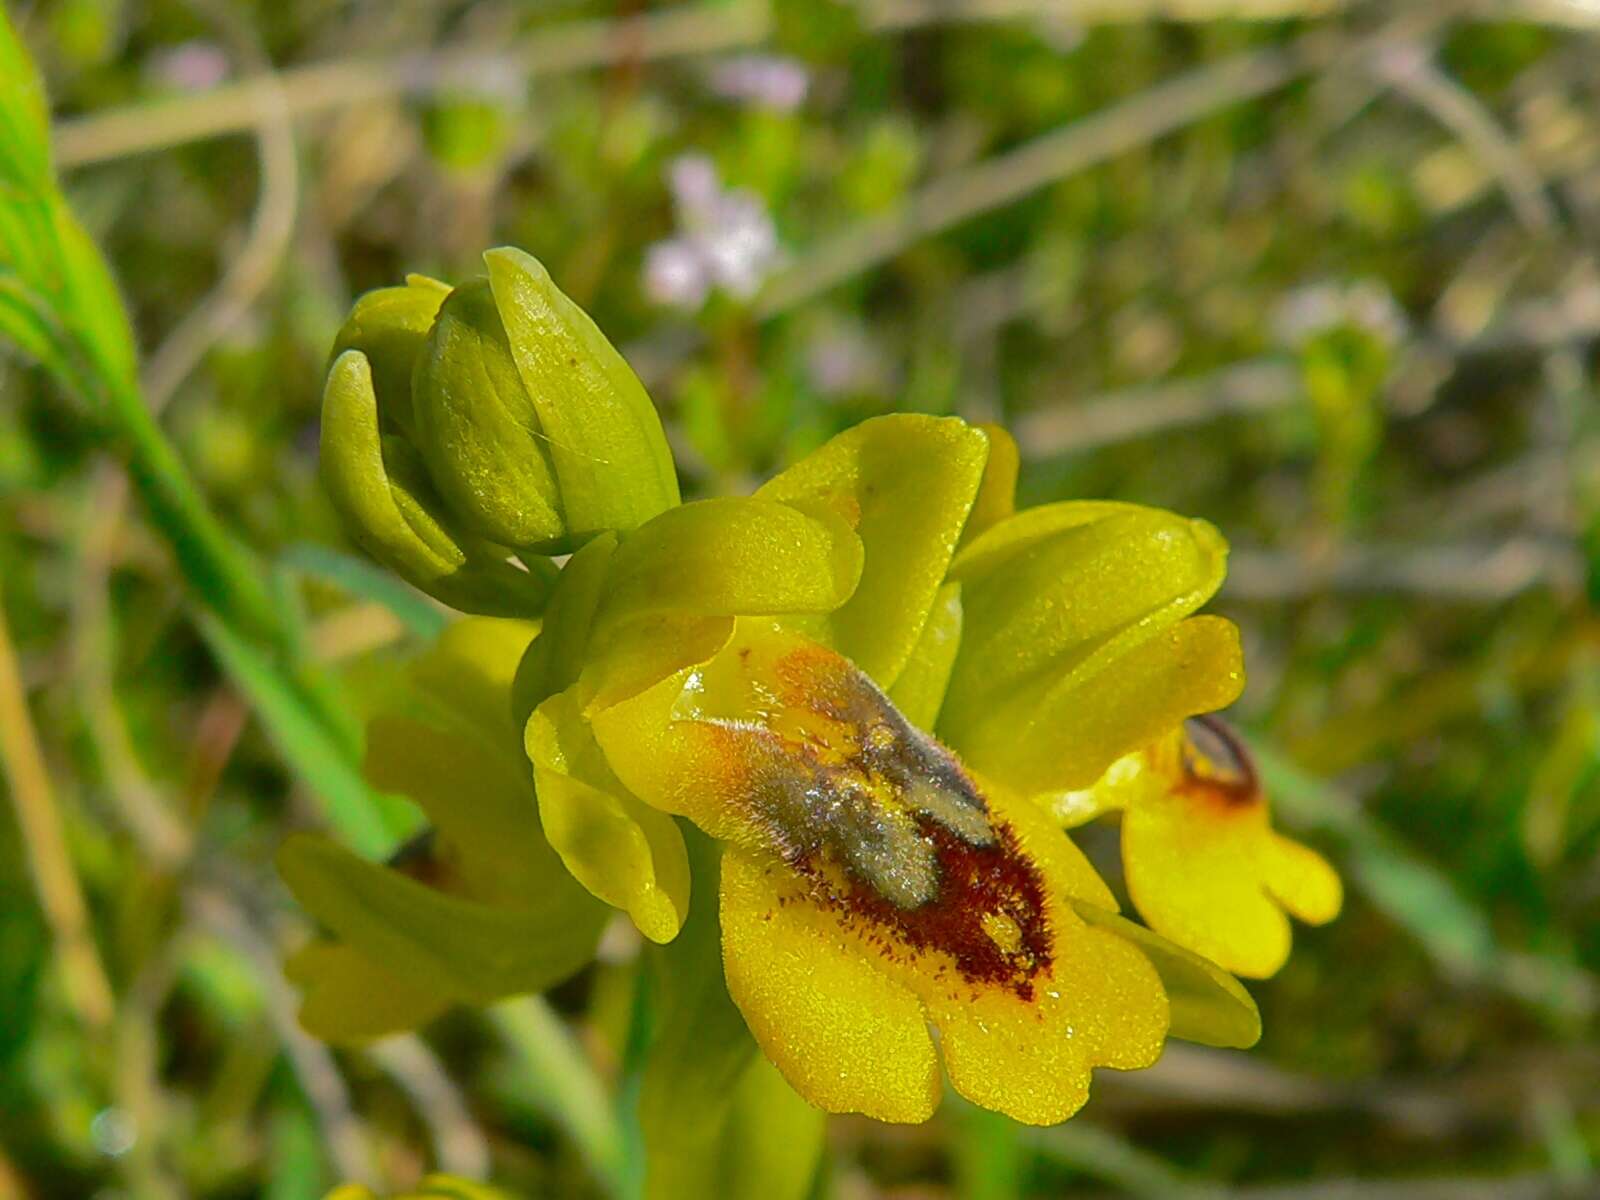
(1320, 271)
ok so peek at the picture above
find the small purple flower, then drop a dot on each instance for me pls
(765, 80)
(194, 66)
(674, 274)
(1364, 304)
(726, 240)
(841, 360)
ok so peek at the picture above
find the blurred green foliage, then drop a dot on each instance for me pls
(1351, 320)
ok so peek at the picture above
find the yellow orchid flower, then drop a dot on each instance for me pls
(1203, 864)
(814, 732)
(870, 884)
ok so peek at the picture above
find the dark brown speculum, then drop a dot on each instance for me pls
(891, 832)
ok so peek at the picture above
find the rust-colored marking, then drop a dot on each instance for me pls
(888, 829)
(1216, 763)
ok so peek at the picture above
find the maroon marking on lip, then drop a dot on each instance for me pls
(974, 882)
(981, 870)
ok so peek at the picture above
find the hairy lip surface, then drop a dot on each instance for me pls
(889, 830)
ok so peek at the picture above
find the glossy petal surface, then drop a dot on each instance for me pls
(731, 557)
(870, 888)
(997, 493)
(1207, 1004)
(905, 484)
(625, 852)
(1203, 863)
(846, 1035)
(1074, 649)
(919, 690)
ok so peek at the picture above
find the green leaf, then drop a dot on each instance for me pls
(361, 579)
(322, 762)
(1207, 1004)
(24, 117)
(59, 305)
(43, 247)
(474, 952)
(553, 1072)
(297, 1154)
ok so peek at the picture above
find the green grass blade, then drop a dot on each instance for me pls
(360, 578)
(321, 761)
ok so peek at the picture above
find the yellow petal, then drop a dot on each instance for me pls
(625, 852)
(348, 998)
(1061, 732)
(846, 1036)
(1301, 880)
(557, 656)
(1195, 877)
(997, 493)
(1203, 864)
(905, 484)
(1098, 1003)
(644, 651)
(919, 691)
(690, 768)
(867, 879)
(733, 556)
(1063, 665)
(1208, 1005)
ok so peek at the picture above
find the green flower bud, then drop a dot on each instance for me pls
(462, 427)
(604, 437)
(382, 493)
(478, 430)
(389, 326)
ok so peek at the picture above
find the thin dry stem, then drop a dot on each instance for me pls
(60, 895)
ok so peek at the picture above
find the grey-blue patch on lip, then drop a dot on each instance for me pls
(870, 814)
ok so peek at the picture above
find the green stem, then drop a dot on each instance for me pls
(564, 1084)
(221, 572)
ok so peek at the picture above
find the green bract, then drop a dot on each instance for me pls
(469, 433)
